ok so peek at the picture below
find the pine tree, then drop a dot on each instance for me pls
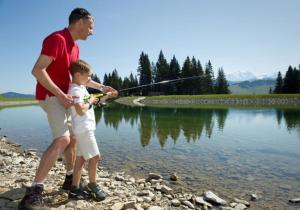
(298, 80)
(115, 80)
(200, 81)
(221, 86)
(186, 86)
(126, 84)
(270, 91)
(174, 74)
(209, 79)
(279, 84)
(133, 82)
(288, 81)
(105, 79)
(144, 71)
(153, 72)
(162, 71)
(194, 72)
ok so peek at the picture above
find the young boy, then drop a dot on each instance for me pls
(84, 125)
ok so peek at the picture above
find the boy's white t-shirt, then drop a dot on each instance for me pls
(81, 124)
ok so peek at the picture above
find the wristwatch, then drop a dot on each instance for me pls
(101, 87)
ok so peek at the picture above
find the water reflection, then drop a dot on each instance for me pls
(291, 118)
(165, 123)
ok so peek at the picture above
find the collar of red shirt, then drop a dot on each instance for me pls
(69, 36)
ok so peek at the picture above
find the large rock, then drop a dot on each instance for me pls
(211, 197)
(165, 189)
(294, 200)
(188, 204)
(117, 206)
(240, 206)
(153, 176)
(201, 201)
(14, 194)
(155, 208)
(175, 202)
(246, 203)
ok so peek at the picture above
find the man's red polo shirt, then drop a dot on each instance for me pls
(61, 47)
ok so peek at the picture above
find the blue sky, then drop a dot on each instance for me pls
(257, 36)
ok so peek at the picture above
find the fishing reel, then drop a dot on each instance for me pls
(102, 98)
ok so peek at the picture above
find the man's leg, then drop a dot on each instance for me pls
(33, 197)
(70, 154)
(77, 171)
(57, 116)
(50, 156)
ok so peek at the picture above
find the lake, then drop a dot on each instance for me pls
(232, 151)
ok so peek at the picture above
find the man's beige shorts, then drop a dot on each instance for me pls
(59, 117)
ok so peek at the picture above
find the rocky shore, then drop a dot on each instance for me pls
(17, 169)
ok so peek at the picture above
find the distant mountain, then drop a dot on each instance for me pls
(240, 76)
(16, 95)
(261, 86)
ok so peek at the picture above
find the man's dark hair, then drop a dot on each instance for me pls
(77, 14)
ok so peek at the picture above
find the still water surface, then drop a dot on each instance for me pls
(231, 151)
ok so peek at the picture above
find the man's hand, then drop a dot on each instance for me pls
(112, 93)
(66, 99)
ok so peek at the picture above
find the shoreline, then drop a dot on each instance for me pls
(215, 100)
(124, 192)
(17, 103)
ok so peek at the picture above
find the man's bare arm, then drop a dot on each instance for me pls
(103, 88)
(95, 85)
(39, 72)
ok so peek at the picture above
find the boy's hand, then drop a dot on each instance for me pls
(93, 99)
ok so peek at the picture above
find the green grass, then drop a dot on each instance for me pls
(222, 106)
(2, 98)
(16, 102)
(128, 100)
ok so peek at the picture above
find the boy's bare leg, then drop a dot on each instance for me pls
(70, 154)
(50, 156)
(77, 170)
(93, 168)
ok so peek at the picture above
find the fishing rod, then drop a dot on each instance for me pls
(160, 83)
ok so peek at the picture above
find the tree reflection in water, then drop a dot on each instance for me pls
(165, 123)
(291, 118)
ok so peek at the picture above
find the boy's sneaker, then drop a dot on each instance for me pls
(95, 191)
(33, 199)
(77, 193)
(68, 182)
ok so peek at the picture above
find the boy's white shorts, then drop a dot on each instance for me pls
(87, 145)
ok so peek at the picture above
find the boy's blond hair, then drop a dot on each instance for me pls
(79, 66)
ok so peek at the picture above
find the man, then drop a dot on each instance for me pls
(51, 70)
